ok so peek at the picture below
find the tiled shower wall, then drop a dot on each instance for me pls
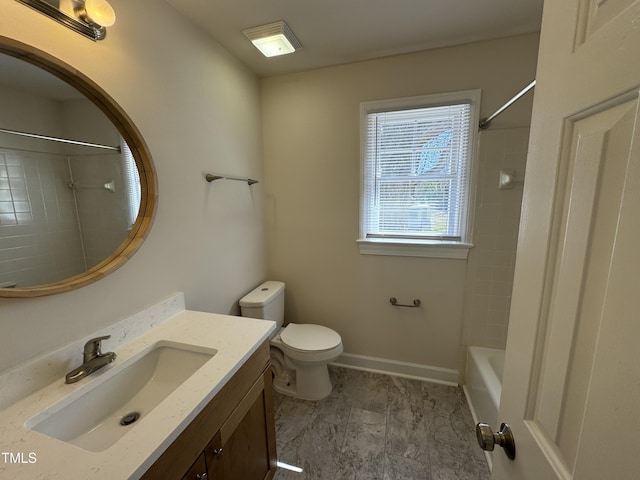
(491, 262)
(102, 212)
(39, 235)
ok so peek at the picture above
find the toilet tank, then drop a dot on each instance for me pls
(265, 301)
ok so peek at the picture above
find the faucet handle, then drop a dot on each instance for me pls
(92, 347)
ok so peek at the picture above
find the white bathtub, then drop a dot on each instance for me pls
(483, 383)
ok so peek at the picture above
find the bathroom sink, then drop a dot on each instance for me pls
(105, 412)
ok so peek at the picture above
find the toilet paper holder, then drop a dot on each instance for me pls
(394, 301)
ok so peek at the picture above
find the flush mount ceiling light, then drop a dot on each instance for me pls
(87, 17)
(273, 39)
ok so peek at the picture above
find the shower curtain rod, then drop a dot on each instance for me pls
(57, 154)
(61, 140)
(485, 122)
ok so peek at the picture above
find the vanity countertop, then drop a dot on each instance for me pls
(27, 454)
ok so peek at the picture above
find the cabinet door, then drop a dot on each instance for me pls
(248, 440)
(214, 455)
(198, 470)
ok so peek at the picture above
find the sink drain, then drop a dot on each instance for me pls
(129, 418)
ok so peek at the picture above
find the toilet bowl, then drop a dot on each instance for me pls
(299, 352)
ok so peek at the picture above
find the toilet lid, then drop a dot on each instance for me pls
(310, 337)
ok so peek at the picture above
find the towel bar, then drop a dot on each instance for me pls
(210, 178)
(394, 301)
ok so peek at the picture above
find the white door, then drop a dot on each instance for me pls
(572, 380)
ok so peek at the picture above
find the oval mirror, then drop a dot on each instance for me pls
(77, 185)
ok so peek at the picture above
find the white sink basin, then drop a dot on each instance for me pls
(105, 412)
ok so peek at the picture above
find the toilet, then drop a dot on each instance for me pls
(299, 352)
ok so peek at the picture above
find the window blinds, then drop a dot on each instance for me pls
(416, 173)
(132, 182)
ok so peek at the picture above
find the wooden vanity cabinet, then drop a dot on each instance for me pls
(233, 438)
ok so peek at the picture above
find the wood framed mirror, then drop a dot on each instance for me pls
(67, 210)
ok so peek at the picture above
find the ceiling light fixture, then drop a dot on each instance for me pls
(273, 39)
(88, 17)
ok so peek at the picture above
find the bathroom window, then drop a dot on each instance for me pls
(417, 156)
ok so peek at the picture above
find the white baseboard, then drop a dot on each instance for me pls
(428, 373)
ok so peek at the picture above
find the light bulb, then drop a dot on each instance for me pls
(100, 12)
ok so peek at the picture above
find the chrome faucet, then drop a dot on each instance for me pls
(94, 359)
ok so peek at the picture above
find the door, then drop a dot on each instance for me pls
(572, 379)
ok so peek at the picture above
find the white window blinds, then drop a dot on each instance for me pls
(416, 173)
(132, 182)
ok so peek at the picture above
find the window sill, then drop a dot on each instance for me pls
(414, 248)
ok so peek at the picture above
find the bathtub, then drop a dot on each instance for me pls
(483, 383)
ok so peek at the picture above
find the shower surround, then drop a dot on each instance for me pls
(496, 219)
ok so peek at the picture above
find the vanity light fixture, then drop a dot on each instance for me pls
(87, 17)
(273, 39)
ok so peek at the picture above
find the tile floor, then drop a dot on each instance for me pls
(378, 427)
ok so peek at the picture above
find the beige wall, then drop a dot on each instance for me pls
(311, 150)
(198, 109)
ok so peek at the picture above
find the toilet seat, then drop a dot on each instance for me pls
(309, 337)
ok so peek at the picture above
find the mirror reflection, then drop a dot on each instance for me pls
(64, 207)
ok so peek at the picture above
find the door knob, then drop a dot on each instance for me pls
(504, 438)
